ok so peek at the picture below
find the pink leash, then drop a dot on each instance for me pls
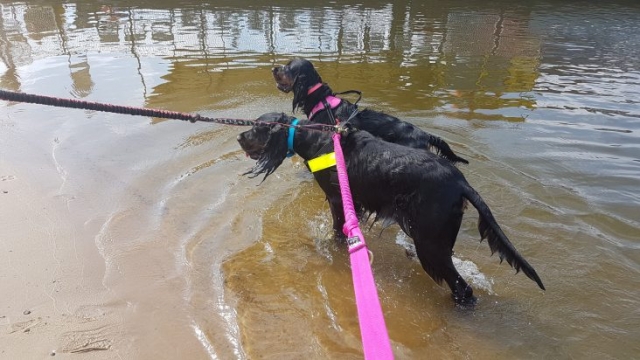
(375, 340)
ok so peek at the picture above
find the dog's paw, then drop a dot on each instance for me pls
(466, 303)
(466, 300)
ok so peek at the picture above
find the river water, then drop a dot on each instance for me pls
(199, 262)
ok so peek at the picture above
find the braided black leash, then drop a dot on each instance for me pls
(118, 109)
(131, 110)
(317, 127)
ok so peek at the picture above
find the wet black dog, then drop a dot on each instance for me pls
(425, 194)
(318, 102)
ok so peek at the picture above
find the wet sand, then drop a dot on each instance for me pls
(94, 247)
(55, 278)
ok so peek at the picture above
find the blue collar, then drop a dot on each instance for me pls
(292, 130)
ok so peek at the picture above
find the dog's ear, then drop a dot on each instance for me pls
(274, 153)
(300, 88)
(279, 120)
(304, 77)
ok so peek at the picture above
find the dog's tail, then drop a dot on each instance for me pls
(498, 241)
(442, 148)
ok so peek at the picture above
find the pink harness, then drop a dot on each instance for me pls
(331, 100)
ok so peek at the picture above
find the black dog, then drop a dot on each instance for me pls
(425, 194)
(318, 102)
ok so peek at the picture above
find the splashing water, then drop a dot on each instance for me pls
(467, 268)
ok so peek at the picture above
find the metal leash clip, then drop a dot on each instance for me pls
(354, 243)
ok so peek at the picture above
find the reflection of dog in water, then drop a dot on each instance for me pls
(318, 102)
(425, 194)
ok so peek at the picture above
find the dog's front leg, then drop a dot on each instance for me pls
(337, 212)
(328, 181)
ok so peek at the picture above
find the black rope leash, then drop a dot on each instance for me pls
(131, 110)
(118, 109)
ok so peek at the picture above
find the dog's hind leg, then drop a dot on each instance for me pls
(434, 247)
(437, 262)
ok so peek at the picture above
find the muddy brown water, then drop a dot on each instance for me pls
(200, 262)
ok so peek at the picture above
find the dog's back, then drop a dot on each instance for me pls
(394, 130)
(385, 176)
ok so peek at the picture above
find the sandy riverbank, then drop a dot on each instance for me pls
(54, 300)
(88, 254)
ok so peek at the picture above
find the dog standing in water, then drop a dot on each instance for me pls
(319, 103)
(424, 193)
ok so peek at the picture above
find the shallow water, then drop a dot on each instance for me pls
(541, 97)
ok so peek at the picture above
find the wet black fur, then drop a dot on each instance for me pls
(425, 194)
(299, 75)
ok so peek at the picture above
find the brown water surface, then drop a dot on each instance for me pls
(137, 238)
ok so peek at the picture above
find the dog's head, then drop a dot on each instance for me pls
(266, 142)
(298, 75)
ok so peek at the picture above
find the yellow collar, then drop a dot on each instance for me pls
(322, 162)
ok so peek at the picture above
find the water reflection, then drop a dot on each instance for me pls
(469, 64)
